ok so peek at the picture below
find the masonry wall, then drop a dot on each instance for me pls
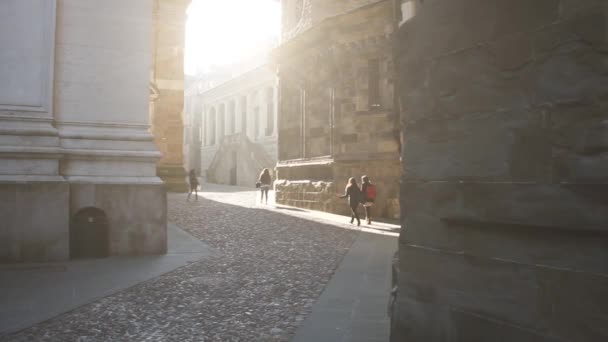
(504, 195)
(74, 112)
(328, 129)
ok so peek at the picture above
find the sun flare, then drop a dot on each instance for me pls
(220, 32)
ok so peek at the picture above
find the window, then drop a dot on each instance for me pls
(222, 122)
(244, 114)
(232, 117)
(269, 111)
(374, 83)
(212, 127)
(256, 122)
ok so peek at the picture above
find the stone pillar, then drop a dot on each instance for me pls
(168, 77)
(237, 113)
(504, 195)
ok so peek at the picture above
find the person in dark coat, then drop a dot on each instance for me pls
(355, 196)
(368, 202)
(265, 182)
(193, 184)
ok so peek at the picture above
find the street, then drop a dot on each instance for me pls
(269, 268)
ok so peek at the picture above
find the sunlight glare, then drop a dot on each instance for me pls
(220, 32)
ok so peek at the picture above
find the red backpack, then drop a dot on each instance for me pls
(370, 192)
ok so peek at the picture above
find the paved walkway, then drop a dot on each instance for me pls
(31, 293)
(264, 273)
(353, 305)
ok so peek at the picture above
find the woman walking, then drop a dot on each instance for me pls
(265, 181)
(354, 195)
(369, 197)
(193, 184)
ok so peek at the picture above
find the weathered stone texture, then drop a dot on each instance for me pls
(328, 129)
(167, 75)
(316, 186)
(35, 222)
(503, 195)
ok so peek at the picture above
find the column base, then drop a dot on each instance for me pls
(174, 177)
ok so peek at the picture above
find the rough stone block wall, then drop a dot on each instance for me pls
(317, 186)
(35, 222)
(504, 195)
(137, 215)
(328, 130)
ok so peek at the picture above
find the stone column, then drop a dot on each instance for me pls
(237, 113)
(168, 76)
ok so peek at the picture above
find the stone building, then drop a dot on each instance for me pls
(167, 77)
(231, 127)
(504, 196)
(337, 116)
(77, 162)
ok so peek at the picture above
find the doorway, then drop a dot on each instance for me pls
(89, 234)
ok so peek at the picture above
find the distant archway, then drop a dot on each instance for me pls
(89, 234)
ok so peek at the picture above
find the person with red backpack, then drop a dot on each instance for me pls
(369, 193)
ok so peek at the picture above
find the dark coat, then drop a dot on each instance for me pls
(364, 191)
(265, 179)
(354, 194)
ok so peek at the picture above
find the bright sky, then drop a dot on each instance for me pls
(225, 31)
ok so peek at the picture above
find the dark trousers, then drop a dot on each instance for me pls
(264, 191)
(193, 188)
(354, 214)
(368, 212)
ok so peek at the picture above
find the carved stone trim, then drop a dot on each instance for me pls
(47, 61)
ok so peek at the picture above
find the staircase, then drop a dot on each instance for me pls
(238, 161)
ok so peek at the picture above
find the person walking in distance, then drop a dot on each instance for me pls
(193, 184)
(265, 181)
(369, 197)
(354, 195)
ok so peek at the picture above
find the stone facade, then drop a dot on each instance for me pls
(504, 194)
(336, 103)
(74, 128)
(168, 78)
(231, 130)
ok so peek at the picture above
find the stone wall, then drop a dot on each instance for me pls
(301, 15)
(74, 113)
(134, 213)
(504, 199)
(167, 75)
(328, 129)
(316, 186)
(35, 221)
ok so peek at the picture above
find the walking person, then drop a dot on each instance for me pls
(265, 180)
(193, 184)
(354, 195)
(369, 197)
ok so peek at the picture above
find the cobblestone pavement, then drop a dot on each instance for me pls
(270, 269)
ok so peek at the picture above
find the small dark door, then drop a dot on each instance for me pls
(89, 234)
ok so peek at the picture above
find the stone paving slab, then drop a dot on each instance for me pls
(250, 198)
(270, 267)
(33, 292)
(352, 308)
